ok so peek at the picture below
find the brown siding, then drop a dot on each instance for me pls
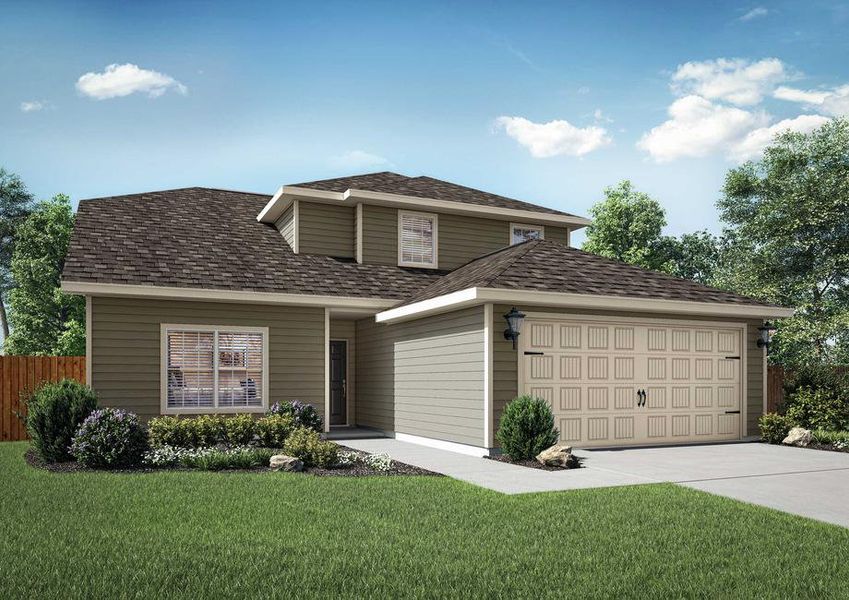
(424, 377)
(505, 361)
(325, 229)
(286, 225)
(126, 347)
(347, 330)
(380, 235)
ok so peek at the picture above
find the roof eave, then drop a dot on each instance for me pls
(288, 193)
(477, 295)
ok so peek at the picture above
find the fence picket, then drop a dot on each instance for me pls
(19, 375)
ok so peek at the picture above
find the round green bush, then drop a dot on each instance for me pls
(274, 429)
(307, 445)
(527, 428)
(820, 408)
(110, 438)
(240, 429)
(774, 427)
(54, 412)
(303, 415)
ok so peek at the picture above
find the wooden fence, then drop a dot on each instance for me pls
(19, 375)
(775, 385)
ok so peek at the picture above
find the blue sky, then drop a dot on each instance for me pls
(546, 102)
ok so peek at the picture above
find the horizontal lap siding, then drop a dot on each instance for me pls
(325, 229)
(286, 225)
(462, 238)
(380, 235)
(557, 234)
(424, 377)
(505, 360)
(126, 347)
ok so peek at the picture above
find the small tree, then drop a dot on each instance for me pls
(527, 428)
(627, 226)
(44, 320)
(15, 206)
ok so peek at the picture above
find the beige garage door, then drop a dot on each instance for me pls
(619, 383)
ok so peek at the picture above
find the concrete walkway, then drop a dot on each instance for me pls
(810, 483)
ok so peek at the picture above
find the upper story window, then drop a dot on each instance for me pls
(522, 233)
(214, 369)
(417, 239)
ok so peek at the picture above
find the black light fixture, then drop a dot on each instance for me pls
(514, 320)
(765, 332)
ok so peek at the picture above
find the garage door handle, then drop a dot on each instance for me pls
(732, 358)
(534, 353)
(641, 397)
(732, 412)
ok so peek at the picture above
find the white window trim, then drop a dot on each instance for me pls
(435, 217)
(540, 228)
(163, 335)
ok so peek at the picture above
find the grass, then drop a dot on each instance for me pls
(193, 535)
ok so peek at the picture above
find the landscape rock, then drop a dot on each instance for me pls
(556, 456)
(798, 436)
(282, 462)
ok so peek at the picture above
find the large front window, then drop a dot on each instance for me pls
(214, 369)
(417, 239)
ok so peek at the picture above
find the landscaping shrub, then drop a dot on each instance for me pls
(838, 439)
(110, 438)
(54, 412)
(273, 430)
(209, 459)
(240, 430)
(303, 415)
(527, 428)
(306, 444)
(165, 431)
(819, 408)
(774, 427)
(206, 430)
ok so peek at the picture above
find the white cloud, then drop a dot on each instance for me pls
(34, 105)
(554, 138)
(122, 80)
(834, 102)
(698, 127)
(736, 80)
(600, 117)
(758, 11)
(756, 140)
(358, 159)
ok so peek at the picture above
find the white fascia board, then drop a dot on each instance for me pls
(472, 296)
(207, 295)
(433, 306)
(288, 193)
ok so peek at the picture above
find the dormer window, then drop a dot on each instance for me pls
(520, 232)
(417, 239)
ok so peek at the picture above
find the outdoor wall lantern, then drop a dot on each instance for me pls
(765, 332)
(514, 320)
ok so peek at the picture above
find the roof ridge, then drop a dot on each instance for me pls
(531, 245)
(179, 189)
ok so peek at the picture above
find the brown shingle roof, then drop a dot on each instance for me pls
(548, 266)
(424, 187)
(207, 238)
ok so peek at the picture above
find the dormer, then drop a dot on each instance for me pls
(418, 222)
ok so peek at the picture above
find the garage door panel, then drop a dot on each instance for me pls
(593, 374)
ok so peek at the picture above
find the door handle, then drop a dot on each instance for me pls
(641, 397)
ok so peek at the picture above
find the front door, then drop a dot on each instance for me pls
(338, 382)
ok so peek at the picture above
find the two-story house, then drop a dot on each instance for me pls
(381, 300)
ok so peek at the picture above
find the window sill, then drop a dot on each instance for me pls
(418, 265)
(223, 410)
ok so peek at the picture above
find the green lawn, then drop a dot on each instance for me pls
(218, 534)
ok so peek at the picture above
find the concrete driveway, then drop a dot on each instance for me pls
(810, 483)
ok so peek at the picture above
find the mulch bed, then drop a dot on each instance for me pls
(826, 447)
(532, 464)
(397, 468)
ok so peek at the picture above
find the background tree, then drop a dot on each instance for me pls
(44, 320)
(627, 225)
(693, 256)
(788, 239)
(15, 205)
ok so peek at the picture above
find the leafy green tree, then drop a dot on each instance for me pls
(627, 225)
(694, 256)
(44, 320)
(788, 240)
(15, 205)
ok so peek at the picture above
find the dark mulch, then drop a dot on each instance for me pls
(826, 447)
(358, 470)
(575, 463)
